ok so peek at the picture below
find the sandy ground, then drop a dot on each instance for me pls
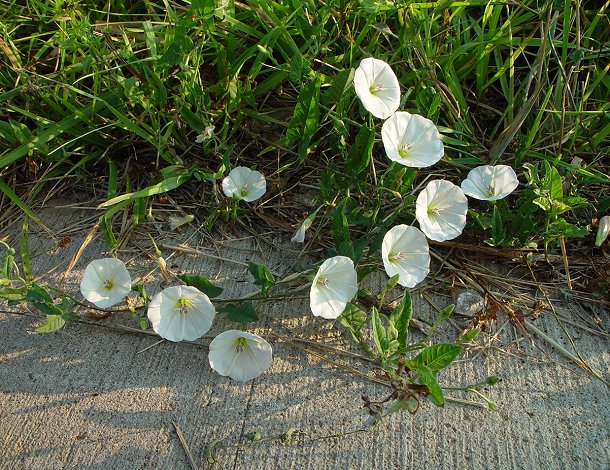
(93, 396)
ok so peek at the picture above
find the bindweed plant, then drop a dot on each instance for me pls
(186, 311)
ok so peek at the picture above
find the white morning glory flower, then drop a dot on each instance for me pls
(490, 183)
(240, 355)
(105, 282)
(181, 313)
(441, 210)
(603, 230)
(334, 285)
(299, 236)
(244, 183)
(405, 252)
(411, 140)
(377, 87)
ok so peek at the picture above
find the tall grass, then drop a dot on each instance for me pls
(86, 89)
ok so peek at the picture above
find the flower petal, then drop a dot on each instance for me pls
(602, 230)
(244, 183)
(411, 140)
(377, 87)
(100, 272)
(334, 285)
(408, 248)
(229, 356)
(441, 210)
(490, 183)
(175, 320)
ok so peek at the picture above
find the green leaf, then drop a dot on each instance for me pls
(141, 290)
(159, 188)
(240, 313)
(562, 228)
(401, 318)
(178, 49)
(53, 323)
(12, 294)
(143, 323)
(304, 122)
(552, 182)
(469, 335)
(445, 313)
(22, 205)
(436, 357)
(69, 316)
(201, 283)
(427, 102)
(25, 250)
(37, 293)
(341, 84)
(353, 319)
(409, 404)
(262, 275)
(340, 228)
(203, 8)
(48, 133)
(498, 233)
(360, 152)
(7, 260)
(379, 334)
(426, 377)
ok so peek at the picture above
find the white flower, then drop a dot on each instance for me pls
(377, 87)
(333, 287)
(105, 282)
(181, 313)
(603, 230)
(240, 355)
(441, 210)
(405, 252)
(411, 140)
(490, 183)
(299, 236)
(244, 183)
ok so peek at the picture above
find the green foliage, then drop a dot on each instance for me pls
(400, 319)
(201, 283)
(243, 312)
(354, 320)
(436, 357)
(262, 276)
(304, 122)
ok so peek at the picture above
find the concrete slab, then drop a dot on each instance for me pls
(92, 396)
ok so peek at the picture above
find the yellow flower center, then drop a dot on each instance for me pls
(244, 191)
(375, 88)
(240, 343)
(324, 282)
(433, 211)
(183, 304)
(394, 257)
(403, 150)
(107, 284)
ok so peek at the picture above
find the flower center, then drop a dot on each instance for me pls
(394, 257)
(403, 150)
(107, 284)
(183, 305)
(375, 88)
(490, 191)
(324, 281)
(433, 211)
(240, 343)
(244, 190)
